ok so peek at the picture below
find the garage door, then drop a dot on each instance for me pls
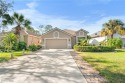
(56, 43)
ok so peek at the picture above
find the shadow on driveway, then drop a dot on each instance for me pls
(45, 66)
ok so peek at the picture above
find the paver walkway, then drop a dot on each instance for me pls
(45, 66)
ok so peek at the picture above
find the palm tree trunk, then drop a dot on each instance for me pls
(112, 36)
(12, 56)
(18, 29)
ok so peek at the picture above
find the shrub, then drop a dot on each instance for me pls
(83, 42)
(93, 48)
(22, 45)
(9, 40)
(2, 48)
(39, 46)
(32, 47)
(103, 43)
(115, 42)
(15, 46)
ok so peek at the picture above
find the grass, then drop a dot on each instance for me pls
(111, 65)
(5, 56)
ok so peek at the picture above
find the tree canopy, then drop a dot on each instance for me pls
(4, 7)
(112, 27)
(43, 29)
(18, 20)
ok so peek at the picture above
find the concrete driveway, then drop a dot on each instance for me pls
(45, 66)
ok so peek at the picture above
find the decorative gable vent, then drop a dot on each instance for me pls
(81, 33)
(56, 34)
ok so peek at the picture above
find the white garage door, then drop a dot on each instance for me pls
(56, 43)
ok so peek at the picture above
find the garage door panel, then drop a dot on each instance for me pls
(56, 43)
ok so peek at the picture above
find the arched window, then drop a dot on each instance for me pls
(56, 34)
(81, 33)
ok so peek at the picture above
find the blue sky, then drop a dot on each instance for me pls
(71, 14)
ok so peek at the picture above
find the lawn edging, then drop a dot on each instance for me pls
(90, 74)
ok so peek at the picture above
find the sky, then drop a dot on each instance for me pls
(71, 14)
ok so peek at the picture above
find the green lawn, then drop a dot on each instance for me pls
(4, 56)
(111, 65)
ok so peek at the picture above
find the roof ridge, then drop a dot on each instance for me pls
(58, 29)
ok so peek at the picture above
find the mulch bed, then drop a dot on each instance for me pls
(90, 74)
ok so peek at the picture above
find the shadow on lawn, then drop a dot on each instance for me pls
(3, 59)
(113, 77)
(93, 60)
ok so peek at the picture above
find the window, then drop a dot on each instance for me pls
(56, 34)
(81, 33)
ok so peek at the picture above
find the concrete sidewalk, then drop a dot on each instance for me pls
(45, 66)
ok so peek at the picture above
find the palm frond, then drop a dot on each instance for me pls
(15, 20)
(27, 23)
(5, 16)
(4, 22)
(21, 18)
(16, 15)
(103, 32)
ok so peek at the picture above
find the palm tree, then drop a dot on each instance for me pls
(18, 20)
(9, 40)
(112, 27)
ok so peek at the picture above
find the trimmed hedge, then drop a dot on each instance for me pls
(94, 48)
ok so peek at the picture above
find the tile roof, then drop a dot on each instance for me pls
(27, 31)
(82, 30)
(32, 33)
(57, 29)
(72, 32)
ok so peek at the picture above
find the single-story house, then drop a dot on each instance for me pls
(96, 38)
(62, 39)
(30, 37)
(26, 36)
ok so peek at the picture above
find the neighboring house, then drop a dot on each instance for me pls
(30, 37)
(96, 38)
(26, 36)
(62, 39)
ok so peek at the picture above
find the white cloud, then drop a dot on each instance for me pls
(39, 18)
(32, 5)
(97, 26)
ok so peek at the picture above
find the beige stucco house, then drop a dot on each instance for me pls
(25, 36)
(62, 39)
(30, 37)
